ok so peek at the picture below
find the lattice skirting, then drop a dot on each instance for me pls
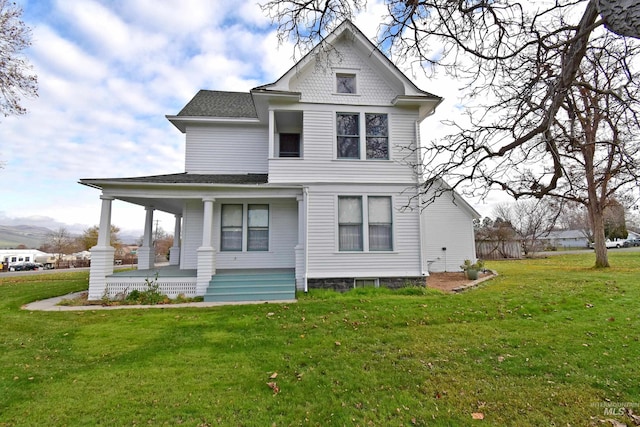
(172, 287)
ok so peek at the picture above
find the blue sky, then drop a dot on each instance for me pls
(109, 72)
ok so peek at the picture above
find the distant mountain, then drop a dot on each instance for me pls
(27, 235)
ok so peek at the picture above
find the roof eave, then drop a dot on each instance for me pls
(181, 122)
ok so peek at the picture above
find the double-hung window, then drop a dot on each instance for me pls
(351, 144)
(231, 233)
(258, 228)
(235, 226)
(350, 223)
(348, 132)
(376, 212)
(377, 139)
(380, 223)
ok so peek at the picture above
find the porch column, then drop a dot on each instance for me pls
(102, 253)
(299, 249)
(206, 252)
(174, 252)
(146, 252)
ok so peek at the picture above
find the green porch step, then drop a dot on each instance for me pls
(252, 285)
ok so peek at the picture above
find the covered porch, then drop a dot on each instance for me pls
(199, 265)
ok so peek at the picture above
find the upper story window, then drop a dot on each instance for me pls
(346, 83)
(348, 132)
(375, 144)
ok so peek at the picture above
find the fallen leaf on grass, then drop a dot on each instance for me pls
(338, 344)
(477, 416)
(615, 423)
(273, 386)
(273, 376)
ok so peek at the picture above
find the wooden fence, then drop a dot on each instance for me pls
(489, 249)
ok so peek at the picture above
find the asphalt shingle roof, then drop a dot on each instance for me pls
(213, 103)
(190, 178)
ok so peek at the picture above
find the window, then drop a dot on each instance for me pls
(348, 131)
(377, 215)
(376, 140)
(289, 145)
(380, 237)
(366, 283)
(377, 135)
(233, 228)
(258, 228)
(231, 233)
(345, 83)
(350, 224)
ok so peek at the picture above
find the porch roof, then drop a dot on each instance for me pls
(183, 178)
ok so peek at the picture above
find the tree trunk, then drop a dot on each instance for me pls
(621, 16)
(599, 240)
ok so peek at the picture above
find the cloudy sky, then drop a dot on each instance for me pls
(109, 72)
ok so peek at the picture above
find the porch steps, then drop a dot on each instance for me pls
(252, 285)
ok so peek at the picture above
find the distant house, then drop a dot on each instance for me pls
(565, 239)
(300, 183)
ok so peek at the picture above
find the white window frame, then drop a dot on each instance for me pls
(376, 282)
(365, 224)
(362, 136)
(245, 227)
(346, 73)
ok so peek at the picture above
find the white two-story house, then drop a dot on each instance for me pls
(302, 183)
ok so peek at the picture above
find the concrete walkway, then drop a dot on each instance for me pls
(51, 304)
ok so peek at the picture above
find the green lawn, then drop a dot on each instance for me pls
(549, 342)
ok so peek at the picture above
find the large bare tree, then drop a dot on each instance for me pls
(551, 106)
(16, 79)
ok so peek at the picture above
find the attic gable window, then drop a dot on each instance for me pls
(345, 83)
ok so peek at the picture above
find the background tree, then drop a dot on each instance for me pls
(16, 79)
(552, 96)
(615, 226)
(59, 242)
(162, 242)
(531, 219)
(89, 238)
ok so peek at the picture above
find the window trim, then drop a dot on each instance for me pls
(365, 235)
(346, 74)
(222, 228)
(376, 282)
(362, 136)
(250, 228)
(245, 227)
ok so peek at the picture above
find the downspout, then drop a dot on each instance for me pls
(305, 203)
(423, 271)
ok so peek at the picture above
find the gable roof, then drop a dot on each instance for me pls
(348, 28)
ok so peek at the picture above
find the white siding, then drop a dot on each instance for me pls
(319, 85)
(447, 225)
(191, 234)
(283, 236)
(319, 163)
(226, 149)
(326, 261)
